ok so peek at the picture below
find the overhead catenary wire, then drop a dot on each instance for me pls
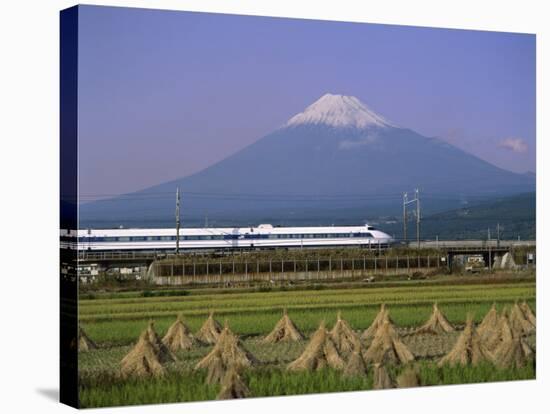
(87, 198)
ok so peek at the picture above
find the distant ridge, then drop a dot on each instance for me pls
(515, 216)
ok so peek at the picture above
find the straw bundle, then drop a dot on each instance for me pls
(355, 367)
(386, 347)
(409, 378)
(179, 336)
(437, 323)
(513, 353)
(381, 317)
(84, 341)
(285, 330)
(216, 372)
(345, 339)
(501, 333)
(228, 352)
(161, 350)
(519, 323)
(382, 379)
(319, 353)
(528, 313)
(468, 348)
(488, 325)
(142, 360)
(233, 386)
(210, 330)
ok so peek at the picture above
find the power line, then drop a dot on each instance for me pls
(271, 196)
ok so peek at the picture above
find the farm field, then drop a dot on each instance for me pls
(115, 324)
(119, 321)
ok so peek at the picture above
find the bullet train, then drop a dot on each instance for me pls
(263, 236)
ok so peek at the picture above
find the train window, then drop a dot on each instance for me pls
(123, 239)
(211, 237)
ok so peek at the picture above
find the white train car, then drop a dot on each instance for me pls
(264, 236)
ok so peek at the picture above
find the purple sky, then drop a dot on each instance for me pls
(165, 94)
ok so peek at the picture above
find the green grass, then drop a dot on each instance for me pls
(102, 392)
(190, 385)
(128, 307)
(484, 372)
(119, 321)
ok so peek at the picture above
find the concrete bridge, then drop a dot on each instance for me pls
(489, 249)
(448, 245)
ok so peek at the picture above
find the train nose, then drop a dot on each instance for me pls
(387, 237)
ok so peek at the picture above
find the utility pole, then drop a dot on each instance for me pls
(417, 196)
(498, 234)
(405, 199)
(177, 221)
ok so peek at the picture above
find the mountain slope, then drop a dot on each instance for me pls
(323, 158)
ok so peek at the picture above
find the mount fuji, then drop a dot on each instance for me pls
(337, 161)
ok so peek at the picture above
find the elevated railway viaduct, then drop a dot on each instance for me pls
(447, 250)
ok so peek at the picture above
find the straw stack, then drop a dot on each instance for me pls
(320, 352)
(468, 349)
(284, 330)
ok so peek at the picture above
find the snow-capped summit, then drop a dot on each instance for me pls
(339, 111)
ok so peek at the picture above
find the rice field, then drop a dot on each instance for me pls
(119, 321)
(176, 387)
(115, 324)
